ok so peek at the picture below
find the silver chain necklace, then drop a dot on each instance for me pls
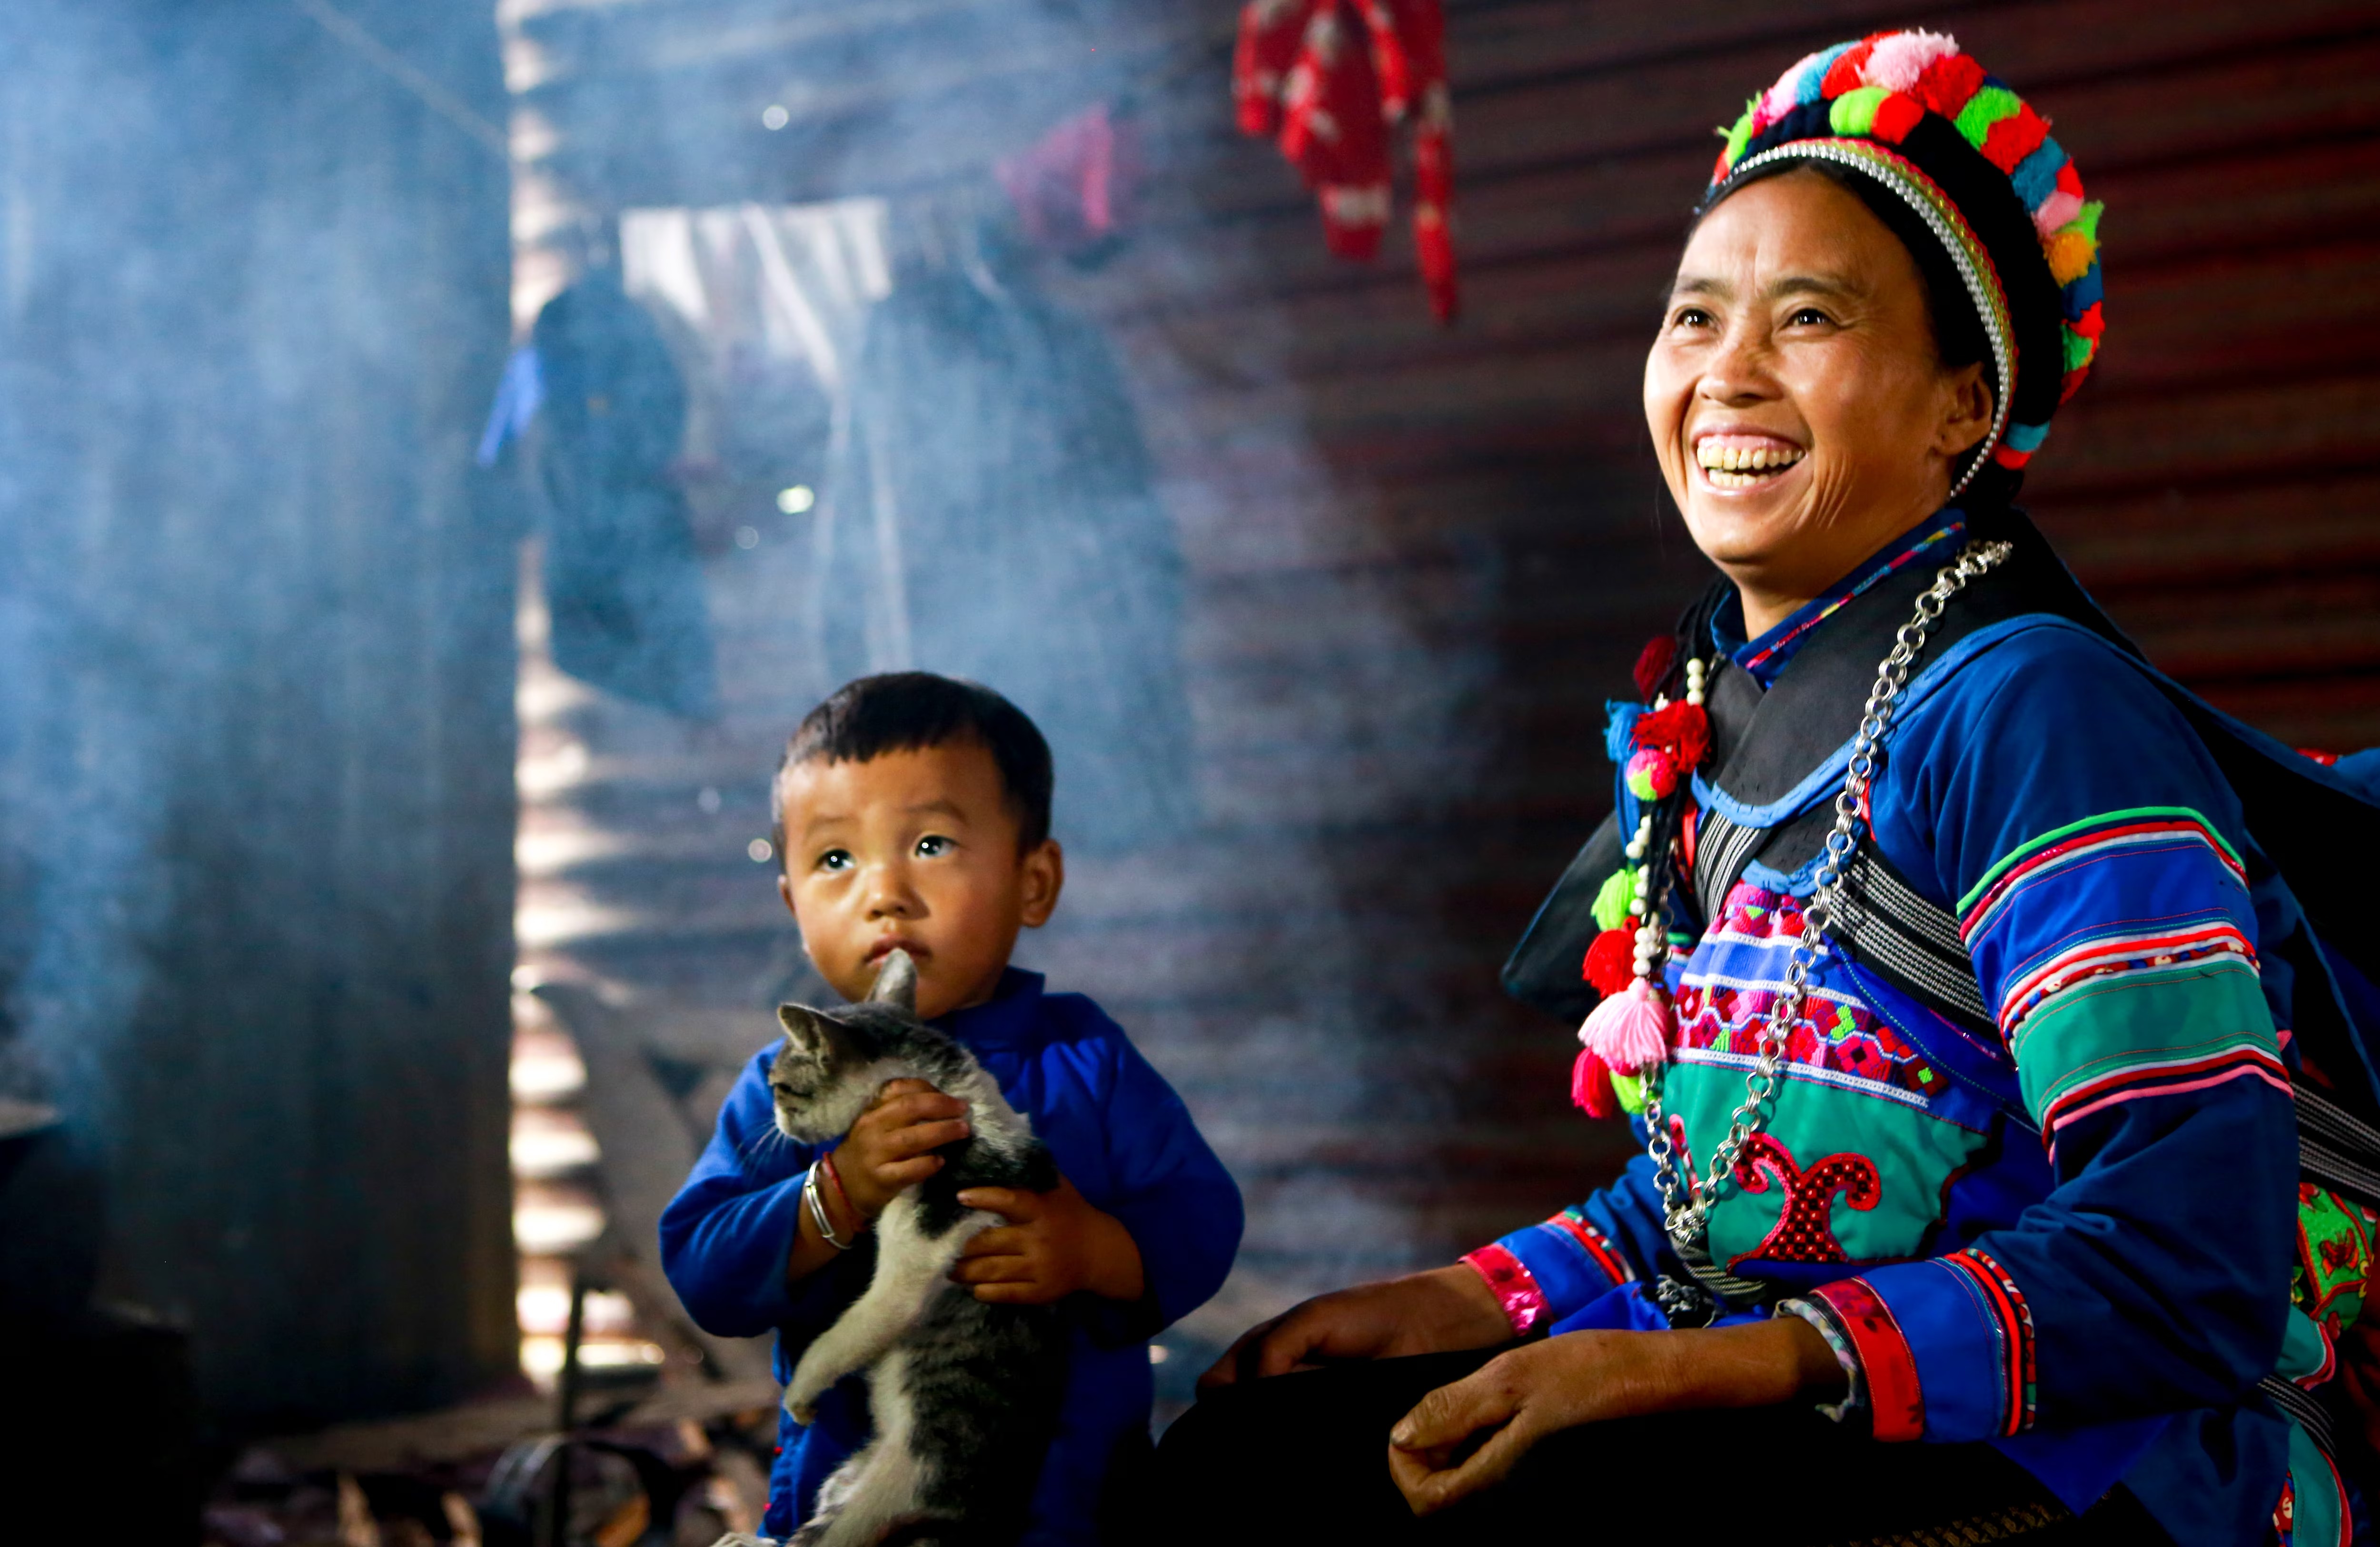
(1687, 1212)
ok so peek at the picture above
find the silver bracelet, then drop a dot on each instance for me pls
(818, 1211)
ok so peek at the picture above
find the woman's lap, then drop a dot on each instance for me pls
(1302, 1459)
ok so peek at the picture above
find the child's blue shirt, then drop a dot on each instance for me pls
(1117, 1131)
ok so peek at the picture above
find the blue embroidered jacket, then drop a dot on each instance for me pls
(1117, 1131)
(2070, 1227)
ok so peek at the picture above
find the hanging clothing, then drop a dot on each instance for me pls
(2033, 1168)
(622, 583)
(1331, 79)
(991, 514)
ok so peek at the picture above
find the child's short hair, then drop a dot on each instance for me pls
(906, 711)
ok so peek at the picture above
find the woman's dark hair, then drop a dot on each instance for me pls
(1959, 338)
(908, 711)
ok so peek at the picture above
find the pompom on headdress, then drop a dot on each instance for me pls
(1981, 169)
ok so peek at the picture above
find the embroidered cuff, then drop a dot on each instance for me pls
(1566, 1261)
(1513, 1285)
(1888, 1367)
(1854, 1380)
(1969, 1336)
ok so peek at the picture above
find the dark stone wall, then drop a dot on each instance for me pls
(256, 678)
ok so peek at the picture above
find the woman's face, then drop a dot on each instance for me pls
(1798, 405)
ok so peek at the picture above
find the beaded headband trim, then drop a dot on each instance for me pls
(1966, 252)
(1878, 91)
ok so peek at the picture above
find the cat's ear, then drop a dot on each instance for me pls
(805, 1028)
(896, 982)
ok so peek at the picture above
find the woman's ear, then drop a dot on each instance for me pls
(1966, 411)
(1042, 876)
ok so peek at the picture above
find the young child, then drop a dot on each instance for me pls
(914, 812)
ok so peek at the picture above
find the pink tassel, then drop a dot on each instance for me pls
(1630, 1032)
(1590, 1087)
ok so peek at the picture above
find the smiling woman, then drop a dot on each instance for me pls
(1927, 950)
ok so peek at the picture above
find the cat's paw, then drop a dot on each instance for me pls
(802, 1393)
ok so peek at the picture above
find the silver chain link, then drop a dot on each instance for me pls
(1688, 1217)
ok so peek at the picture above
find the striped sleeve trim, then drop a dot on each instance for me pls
(2079, 842)
(2169, 1076)
(2003, 1305)
(1574, 1228)
(1888, 1367)
(1516, 1288)
(2104, 955)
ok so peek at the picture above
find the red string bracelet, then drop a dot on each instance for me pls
(834, 1180)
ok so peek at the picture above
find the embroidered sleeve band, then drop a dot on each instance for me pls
(1888, 1367)
(1564, 1263)
(1513, 1285)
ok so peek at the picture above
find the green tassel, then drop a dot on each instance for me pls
(1630, 1089)
(1739, 135)
(1611, 902)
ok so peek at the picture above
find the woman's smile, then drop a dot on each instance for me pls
(1733, 461)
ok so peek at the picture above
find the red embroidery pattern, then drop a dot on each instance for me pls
(1804, 1232)
(1727, 1019)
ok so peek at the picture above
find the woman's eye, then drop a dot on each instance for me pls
(1809, 316)
(1690, 317)
(835, 860)
(933, 845)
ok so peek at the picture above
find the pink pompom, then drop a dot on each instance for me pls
(1630, 1032)
(1650, 774)
(1590, 1087)
(1897, 62)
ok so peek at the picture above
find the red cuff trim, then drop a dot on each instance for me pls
(1591, 1241)
(1513, 1285)
(1893, 1398)
(2015, 1317)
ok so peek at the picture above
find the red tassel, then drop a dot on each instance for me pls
(1590, 1087)
(1653, 663)
(1612, 962)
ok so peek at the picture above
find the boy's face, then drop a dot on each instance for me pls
(918, 850)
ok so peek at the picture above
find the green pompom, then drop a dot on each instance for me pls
(1853, 113)
(1611, 902)
(1630, 1089)
(1984, 109)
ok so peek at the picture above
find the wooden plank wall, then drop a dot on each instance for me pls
(1423, 557)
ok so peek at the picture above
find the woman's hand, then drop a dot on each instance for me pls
(1445, 1309)
(892, 1147)
(1466, 1436)
(1053, 1244)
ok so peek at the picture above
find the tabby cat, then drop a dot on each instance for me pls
(963, 1396)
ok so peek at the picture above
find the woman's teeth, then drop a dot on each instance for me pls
(1739, 466)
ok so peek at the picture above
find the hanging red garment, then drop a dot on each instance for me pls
(1330, 78)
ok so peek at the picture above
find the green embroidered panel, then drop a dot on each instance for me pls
(1839, 1176)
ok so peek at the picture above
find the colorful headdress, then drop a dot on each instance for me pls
(1979, 167)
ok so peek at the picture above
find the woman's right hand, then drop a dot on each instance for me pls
(892, 1147)
(1434, 1312)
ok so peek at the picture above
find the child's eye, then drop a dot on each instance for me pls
(835, 860)
(933, 846)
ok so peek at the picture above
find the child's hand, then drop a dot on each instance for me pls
(1053, 1244)
(892, 1147)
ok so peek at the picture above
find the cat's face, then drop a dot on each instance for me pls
(834, 1061)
